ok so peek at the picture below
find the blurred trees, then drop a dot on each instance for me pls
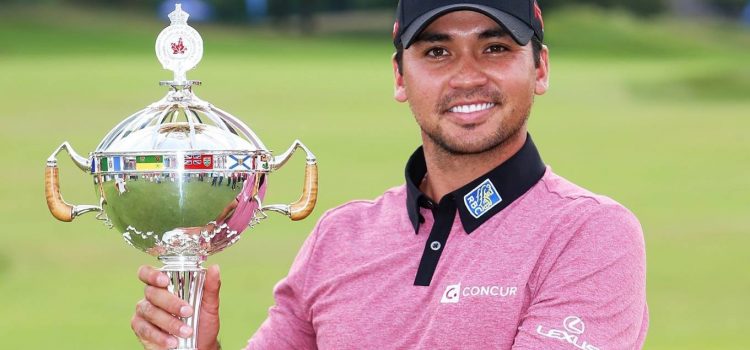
(730, 6)
(641, 7)
(229, 10)
(650, 7)
(280, 11)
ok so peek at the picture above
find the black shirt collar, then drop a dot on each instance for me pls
(510, 180)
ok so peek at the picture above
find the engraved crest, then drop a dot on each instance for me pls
(179, 47)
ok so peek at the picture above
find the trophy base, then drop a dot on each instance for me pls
(186, 278)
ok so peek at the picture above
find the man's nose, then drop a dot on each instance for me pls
(469, 73)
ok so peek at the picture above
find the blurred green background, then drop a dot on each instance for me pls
(650, 107)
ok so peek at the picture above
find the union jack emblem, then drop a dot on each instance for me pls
(199, 162)
(192, 159)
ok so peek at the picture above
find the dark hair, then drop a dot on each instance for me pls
(536, 46)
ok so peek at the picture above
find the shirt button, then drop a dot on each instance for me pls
(435, 245)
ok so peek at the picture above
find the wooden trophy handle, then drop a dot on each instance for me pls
(306, 203)
(57, 206)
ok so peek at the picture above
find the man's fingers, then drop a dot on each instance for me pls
(163, 320)
(157, 318)
(213, 280)
(167, 301)
(209, 318)
(211, 291)
(151, 336)
(153, 277)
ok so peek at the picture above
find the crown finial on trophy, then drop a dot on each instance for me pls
(179, 48)
(178, 16)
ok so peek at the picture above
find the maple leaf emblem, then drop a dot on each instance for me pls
(178, 47)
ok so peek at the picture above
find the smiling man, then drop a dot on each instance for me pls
(483, 247)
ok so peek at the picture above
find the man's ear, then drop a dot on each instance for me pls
(399, 90)
(542, 72)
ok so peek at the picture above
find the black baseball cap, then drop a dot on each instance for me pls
(522, 18)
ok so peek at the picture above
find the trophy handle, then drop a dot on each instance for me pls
(60, 209)
(301, 208)
(306, 203)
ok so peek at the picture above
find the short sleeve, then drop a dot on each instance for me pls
(593, 295)
(289, 325)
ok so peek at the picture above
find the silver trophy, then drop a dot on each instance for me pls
(181, 179)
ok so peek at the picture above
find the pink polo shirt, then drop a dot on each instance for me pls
(558, 268)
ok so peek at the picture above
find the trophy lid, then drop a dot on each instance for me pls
(180, 122)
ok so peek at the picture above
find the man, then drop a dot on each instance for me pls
(484, 247)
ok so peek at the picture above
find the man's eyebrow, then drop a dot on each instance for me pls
(494, 33)
(432, 37)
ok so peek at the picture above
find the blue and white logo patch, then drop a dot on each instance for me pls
(481, 199)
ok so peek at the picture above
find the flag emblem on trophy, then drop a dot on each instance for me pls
(199, 162)
(239, 162)
(149, 163)
(107, 164)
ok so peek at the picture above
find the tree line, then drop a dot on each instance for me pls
(280, 10)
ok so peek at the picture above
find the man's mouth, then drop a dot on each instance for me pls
(471, 108)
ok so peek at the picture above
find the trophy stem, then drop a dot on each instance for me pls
(186, 278)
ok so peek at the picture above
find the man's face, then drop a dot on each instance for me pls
(468, 83)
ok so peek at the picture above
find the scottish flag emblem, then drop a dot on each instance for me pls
(481, 199)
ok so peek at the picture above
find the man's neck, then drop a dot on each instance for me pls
(448, 172)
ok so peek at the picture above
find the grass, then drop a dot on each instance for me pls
(651, 113)
(710, 85)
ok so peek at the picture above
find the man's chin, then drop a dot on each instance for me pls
(462, 148)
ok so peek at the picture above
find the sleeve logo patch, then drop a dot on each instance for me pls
(481, 199)
(572, 333)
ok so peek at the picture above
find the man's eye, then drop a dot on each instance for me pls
(496, 49)
(437, 52)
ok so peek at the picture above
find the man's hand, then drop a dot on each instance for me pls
(155, 323)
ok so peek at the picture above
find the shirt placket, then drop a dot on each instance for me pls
(444, 215)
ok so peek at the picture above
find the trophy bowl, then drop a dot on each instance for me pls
(181, 179)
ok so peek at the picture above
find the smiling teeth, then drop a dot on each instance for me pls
(472, 108)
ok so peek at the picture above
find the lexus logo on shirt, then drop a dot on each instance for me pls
(574, 325)
(573, 333)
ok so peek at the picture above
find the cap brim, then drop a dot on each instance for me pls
(518, 30)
